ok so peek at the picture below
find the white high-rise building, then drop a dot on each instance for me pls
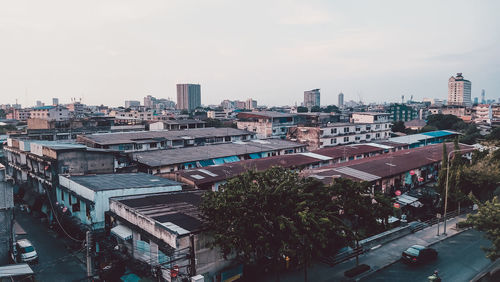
(459, 91)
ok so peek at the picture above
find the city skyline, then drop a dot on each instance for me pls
(106, 53)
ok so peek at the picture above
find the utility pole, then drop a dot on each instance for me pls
(192, 258)
(90, 268)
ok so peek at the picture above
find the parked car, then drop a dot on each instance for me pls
(419, 254)
(23, 251)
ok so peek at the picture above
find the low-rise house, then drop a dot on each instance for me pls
(164, 230)
(177, 124)
(424, 139)
(400, 170)
(156, 140)
(50, 113)
(164, 161)
(370, 117)
(87, 196)
(35, 166)
(211, 177)
(415, 124)
(334, 134)
(267, 124)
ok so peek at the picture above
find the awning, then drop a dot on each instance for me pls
(219, 161)
(231, 159)
(122, 232)
(206, 162)
(255, 156)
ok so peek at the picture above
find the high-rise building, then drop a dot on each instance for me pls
(148, 101)
(55, 101)
(250, 104)
(483, 94)
(188, 96)
(459, 91)
(133, 104)
(476, 100)
(311, 98)
(341, 100)
(39, 103)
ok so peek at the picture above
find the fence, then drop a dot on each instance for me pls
(389, 235)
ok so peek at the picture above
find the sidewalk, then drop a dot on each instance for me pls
(377, 258)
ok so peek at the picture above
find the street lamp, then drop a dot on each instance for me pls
(446, 190)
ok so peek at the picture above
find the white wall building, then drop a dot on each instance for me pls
(459, 91)
(50, 113)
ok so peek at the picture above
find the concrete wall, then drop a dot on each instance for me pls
(6, 217)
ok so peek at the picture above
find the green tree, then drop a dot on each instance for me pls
(487, 220)
(274, 213)
(443, 122)
(315, 109)
(330, 109)
(398, 126)
(301, 109)
(441, 183)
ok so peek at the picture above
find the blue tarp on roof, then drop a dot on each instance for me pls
(219, 161)
(439, 133)
(206, 162)
(255, 156)
(231, 159)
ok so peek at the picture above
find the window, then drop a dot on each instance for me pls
(368, 136)
(333, 141)
(346, 129)
(358, 138)
(333, 131)
(346, 139)
(62, 196)
(153, 145)
(69, 199)
(87, 210)
(76, 205)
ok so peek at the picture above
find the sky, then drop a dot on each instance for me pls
(106, 52)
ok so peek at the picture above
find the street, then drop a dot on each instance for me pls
(459, 259)
(56, 262)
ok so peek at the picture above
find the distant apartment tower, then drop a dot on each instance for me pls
(459, 91)
(250, 104)
(148, 101)
(483, 99)
(311, 98)
(55, 101)
(341, 100)
(188, 96)
(132, 104)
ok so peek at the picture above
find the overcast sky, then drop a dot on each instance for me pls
(109, 51)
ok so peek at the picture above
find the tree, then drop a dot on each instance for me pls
(398, 126)
(315, 109)
(487, 220)
(443, 122)
(330, 109)
(272, 214)
(301, 109)
(441, 183)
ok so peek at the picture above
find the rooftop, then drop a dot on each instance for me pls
(371, 113)
(268, 114)
(101, 182)
(177, 211)
(197, 153)
(131, 137)
(182, 121)
(416, 138)
(382, 166)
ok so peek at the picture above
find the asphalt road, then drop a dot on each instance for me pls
(56, 263)
(460, 258)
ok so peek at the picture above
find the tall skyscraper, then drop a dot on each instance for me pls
(341, 100)
(55, 101)
(250, 104)
(483, 99)
(148, 101)
(188, 96)
(311, 98)
(459, 91)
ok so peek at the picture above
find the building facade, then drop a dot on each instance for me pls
(311, 98)
(188, 96)
(403, 112)
(50, 113)
(341, 100)
(266, 124)
(459, 91)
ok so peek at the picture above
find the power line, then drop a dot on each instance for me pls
(59, 223)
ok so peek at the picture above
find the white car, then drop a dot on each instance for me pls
(23, 251)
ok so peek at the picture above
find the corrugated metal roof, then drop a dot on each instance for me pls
(101, 182)
(357, 173)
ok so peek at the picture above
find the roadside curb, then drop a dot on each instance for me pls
(371, 271)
